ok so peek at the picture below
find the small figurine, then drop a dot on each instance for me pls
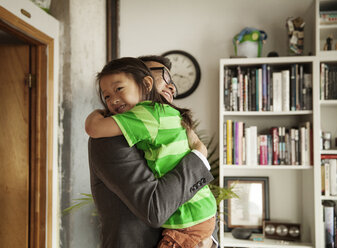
(249, 42)
(328, 44)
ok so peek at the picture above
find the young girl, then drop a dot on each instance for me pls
(148, 121)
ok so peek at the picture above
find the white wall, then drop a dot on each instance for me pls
(205, 29)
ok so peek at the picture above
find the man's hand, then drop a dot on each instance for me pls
(195, 143)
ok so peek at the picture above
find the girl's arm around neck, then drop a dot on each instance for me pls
(97, 126)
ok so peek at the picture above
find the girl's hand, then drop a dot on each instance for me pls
(97, 126)
(195, 143)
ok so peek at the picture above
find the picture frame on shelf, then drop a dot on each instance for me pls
(252, 206)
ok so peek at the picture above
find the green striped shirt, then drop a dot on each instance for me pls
(157, 130)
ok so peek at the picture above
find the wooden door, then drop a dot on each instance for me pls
(14, 146)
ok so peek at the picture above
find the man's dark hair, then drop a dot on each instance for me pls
(157, 58)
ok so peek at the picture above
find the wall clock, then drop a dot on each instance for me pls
(185, 72)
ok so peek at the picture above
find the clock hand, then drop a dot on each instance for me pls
(178, 75)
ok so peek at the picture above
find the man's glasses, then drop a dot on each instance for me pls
(167, 77)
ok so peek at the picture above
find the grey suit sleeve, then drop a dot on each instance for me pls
(125, 172)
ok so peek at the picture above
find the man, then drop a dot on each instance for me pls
(131, 202)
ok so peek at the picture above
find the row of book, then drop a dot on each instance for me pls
(281, 146)
(328, 17)
(328, 81)
(330, 223)
(267, 89)
(329, 174)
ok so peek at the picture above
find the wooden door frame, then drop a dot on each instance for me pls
(43, 150)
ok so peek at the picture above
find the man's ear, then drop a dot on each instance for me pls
(148, 82)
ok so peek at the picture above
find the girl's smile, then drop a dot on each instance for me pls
(120, 92)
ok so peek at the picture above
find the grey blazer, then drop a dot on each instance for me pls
(131, 202)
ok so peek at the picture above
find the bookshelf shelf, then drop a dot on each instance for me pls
(328, 151)
(328, 26)
(328, 55)
(266, 243)
(332, 198)
(328, 102)
(266, 113)
(267, 167)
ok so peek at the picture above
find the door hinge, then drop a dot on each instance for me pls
(31, 80)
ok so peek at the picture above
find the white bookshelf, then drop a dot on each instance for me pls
(287, 183)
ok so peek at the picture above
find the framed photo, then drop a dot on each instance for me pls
(252, 206)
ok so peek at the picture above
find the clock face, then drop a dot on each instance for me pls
(185, 72)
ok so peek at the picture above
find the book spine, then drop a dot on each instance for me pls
(329, 156)
(236, 144)
(297, 103)
(277, 86)
(329, 214)
(293, 88)
(302, 146)
(275, 139)
(235, 93)
(229, 142)
(264, 88)
(285, 90)
(246, 93)
(322, 81)
(225, 142)
(253, 146)
(333, 177)
(240, 142)
(322, 178)
(301, 87)
(283, 146)
(292, 145)
(253, 81)
(240, 89)
(263, 150)
(248, 146)
(287, 141)
(260, 88)
(327, 178)
(297, 147)
(270, 150)
(226, 89)
(269, 90)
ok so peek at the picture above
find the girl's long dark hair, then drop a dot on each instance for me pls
(138, 71)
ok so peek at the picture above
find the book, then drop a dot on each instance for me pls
(292, 147)
(275, 140)
(277, 91)
(260, 89)
(253, 90)
(328, 156)
(293, 88)
(253, 145)
(329, 226)
(263, 149)
(264, 88)
(327, 178)
(248, 146)
(297, 147)
(285, 90)
(300, 87)
(229, 142)
(227, 83)
(225, 142)
(234, 94)
(270, 92)
(333, 176)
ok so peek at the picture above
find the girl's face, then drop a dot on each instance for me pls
(120, 92)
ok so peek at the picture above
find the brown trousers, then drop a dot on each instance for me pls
(188, 237)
